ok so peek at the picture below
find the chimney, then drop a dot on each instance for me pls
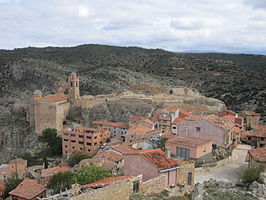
(167, 152)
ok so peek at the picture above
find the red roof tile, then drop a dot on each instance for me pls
(51, 171)
(187, 141)
(28, 189)
(107, 181)
(178, 119)
(229, 117)
(258, 154)
(54, 98)
(158, 159)
(123, 149)
(261, 132)
(139, 129)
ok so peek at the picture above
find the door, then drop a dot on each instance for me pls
(189, 178)
(172, 178)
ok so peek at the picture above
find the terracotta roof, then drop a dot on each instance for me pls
(248, 112)
(258, 154)
(54, 98)
(158, 159)
(107, 181)
(261, 132)
(135, 118)
(123, 149)
(178, 119)
(28, 189)
(156, 116)
(51, 171)
(170, 108)
(184, 113)
(139, 129)
(18, 161)
(2, 186)
(187, 141)
(113, 124)
(229, 117)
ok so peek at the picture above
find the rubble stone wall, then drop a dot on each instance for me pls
(155, 185)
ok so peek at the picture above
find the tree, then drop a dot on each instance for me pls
(161, 143)
(11, 184)
(54, 142)
(61, 181)
(91, 173)
(76, 157)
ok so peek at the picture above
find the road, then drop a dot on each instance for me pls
(227, 172)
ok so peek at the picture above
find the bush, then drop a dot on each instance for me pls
(251, 174)
(76, 157)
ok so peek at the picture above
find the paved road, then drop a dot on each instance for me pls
(228, 172)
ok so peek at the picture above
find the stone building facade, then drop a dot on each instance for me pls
(51, 111)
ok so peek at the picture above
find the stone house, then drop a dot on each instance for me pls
(255, 138)
(217, 129)
(233, 116)
(251, 119)
(137, 120)
(139, 133)
(17, 166)
(117, 129)
(51, 111)
(153, 163)
(28, 189)
(83, 139)
(256, 157)
(189, 148)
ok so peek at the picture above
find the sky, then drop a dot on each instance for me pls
(230, 26)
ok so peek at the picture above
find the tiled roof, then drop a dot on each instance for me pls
(261, 132)
(178, 119)
(51, 171)
(158, 159)
(248, 112)
(170, 108)
(258, 154)
(113, 124)
(54, 98)
(28, 189)
(107, 181)
(184, 113)
(18, 161)
(123, 149)
(229, 117)
(187, 141)
(139, 129)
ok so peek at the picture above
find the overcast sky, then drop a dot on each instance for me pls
(175, 25)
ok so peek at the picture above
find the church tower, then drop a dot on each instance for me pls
(73, 87)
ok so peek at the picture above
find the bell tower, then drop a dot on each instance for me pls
(73, 87)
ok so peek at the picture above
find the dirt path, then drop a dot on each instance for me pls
(228, 172)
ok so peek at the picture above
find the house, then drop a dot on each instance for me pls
(256, 138)
(233, 116)
(28, 189)
(47, 174)
(217, 129)
(17, 166)
(110, 161)
(257, 157)
(2, 188)
(189, 148)
(153, 163)
(121, 149)
(136, 120)
(251, 119)
(117, 129)
(139, 133)
(87, 140)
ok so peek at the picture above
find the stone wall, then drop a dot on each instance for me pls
(155, 185)
(182, 178)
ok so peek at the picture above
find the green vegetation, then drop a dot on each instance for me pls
(251, 174)
(161, 144)
(53, 142)
(76, 157)
(87, 174)
(62, 181)
(11, 184)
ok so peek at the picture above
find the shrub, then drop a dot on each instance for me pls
(251, 174)
(76, 157)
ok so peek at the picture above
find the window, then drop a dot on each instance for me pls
(95, 137)
(205, 149)
(182, 152)
(81, 142)
(73, 135)
(89, 150)
(80, 136)
(66, 140)
(65, 146)
(89, 144)
(73, 147)
(198, 129)
(249, 138)
(73, 141)
(88, 137)
(130, 140)
(81, 149)
(65, 134)
(95, 143)
(174, 127)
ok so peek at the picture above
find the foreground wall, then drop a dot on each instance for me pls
(155, 185)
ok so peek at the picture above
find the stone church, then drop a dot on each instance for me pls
(51, 111)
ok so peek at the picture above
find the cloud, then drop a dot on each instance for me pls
(176, 25)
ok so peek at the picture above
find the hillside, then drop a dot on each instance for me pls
(236, 79)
